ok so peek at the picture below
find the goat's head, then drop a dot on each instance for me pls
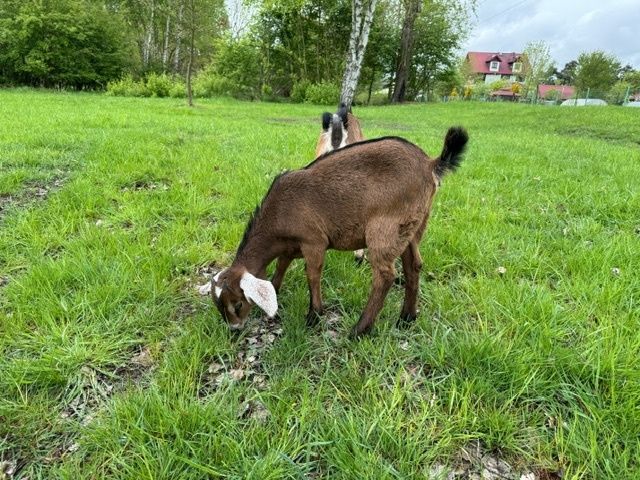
(235, 291)
(334, 131)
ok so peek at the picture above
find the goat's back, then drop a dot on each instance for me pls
(342, 191)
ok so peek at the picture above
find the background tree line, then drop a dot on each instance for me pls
(289, 49)
(265, 49)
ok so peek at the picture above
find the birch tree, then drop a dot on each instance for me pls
(537, 62)
(361, 18)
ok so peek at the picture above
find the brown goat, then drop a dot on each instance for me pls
(338, 130)
(375, 194)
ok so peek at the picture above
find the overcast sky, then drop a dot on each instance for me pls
(568, 26)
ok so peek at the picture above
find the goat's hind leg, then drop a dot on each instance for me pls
(384, 246)
(411, 266)
(384, 273)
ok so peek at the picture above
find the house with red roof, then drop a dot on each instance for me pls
(494, 66)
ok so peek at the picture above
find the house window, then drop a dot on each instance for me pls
(517, 67)
(494, 67)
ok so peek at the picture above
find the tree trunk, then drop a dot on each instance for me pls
(165, 47)
(361, 18)
(190, 68)
(176, 58)
(373, 77)
(412, 9)
(148, 40)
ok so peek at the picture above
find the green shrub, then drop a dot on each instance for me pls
(479, 90)
(128, 87)
(552, 95)
(618, 93)
(377, 98)
(178, 89)
(323, 94)
(159, 85)
(497, 85)
(120, 88)
(209, 84)
(236, 69)
(299, 91)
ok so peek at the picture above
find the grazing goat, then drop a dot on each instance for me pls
(375, 194)
(338, 130)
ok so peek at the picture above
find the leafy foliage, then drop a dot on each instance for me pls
(596, 71)
(538, 63)
(238, 62)
(66, 43)
(322, 93)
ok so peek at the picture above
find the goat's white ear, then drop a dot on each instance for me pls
(217, 288)
(260, 292)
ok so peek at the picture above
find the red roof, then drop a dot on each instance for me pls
(480, 62)
(566, 91)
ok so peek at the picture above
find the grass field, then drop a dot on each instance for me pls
(113, 210)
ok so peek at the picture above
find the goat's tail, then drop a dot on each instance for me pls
(454, 144)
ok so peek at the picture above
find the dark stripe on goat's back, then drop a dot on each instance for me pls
(363, 142)
(256, 213)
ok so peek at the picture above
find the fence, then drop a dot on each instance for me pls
(614, 96)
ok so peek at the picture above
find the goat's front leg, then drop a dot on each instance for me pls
(314, 258)
(411, 266)
(281, 268)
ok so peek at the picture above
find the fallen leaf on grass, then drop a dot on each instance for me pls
(495, 469)
(215, 367)
(7, 469)
(254, 410)
(144, 358)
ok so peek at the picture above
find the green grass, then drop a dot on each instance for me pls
(137, 196)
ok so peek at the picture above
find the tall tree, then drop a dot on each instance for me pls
(431, 32)
(596, 71)
(567, 76)
(66, 43)
(361, 18)
(433, 58)
(537, 63)
(200, 21)
(411, 10)
(302, 42)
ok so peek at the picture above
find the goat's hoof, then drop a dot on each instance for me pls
(354, 334)
(358, 333)
(406, 320)
(313, 318)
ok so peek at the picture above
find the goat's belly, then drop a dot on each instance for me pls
(347, 242)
